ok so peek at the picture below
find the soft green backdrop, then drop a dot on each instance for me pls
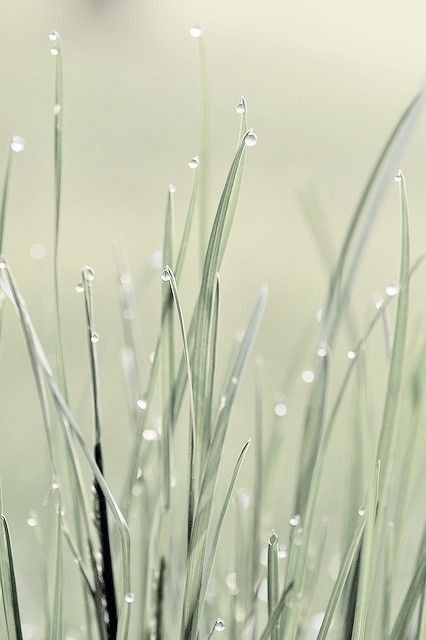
(325, 82)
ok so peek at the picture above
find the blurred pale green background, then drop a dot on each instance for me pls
(325, 82)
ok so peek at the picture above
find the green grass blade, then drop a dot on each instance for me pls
(276, 613)
(200, 530)
(367, 557)
(192, 481)
(8, 580)
(167, 356)
(413, 595)
(56, 629)
(73, 434)
(341, 581)
(216, 534)
(273, 582)
(203, 314)
(4, 197)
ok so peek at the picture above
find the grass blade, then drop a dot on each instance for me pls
(56, 629)
(273, 583)
(8, 580)
(341, 581)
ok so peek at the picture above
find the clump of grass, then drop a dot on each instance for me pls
(165, 593)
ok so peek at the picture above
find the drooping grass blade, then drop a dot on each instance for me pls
(273, 582)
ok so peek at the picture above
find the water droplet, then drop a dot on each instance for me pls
(90, 273)
(165, 275)
(308, 376)
(53, 36)
(234, 379)
(142, 404)
(79, 288)
(244, 499)
(152, 356)
(55, 485)
(222, 403)
(219, 625)
(322, 351)
(280, 410)
(196, 31)
(318, 315)
(57, 109)
(32, 520)
(172, 188)
(295, 520)
(17, 144)
(231, 582)
(398, 176)
(37, 251)
(150, 434)
(129, 598)
(273, 539)
(239, 336)
(392, 289)
(139, 473)
(128, 313)
(94, 337)
(156, 259)
(282, 551)
(262, 592)
(361, 512)
(125, 278)
(3, 262)
(250, 139)
(241, 107)
(54, 51)
(194, 163)
(378, 302)
(351, 354)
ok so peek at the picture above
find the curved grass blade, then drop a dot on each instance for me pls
(341, 581)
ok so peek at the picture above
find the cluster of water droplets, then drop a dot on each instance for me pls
(17, 144)
(54, 43)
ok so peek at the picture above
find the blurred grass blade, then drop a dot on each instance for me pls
(196, 556)
(4, 197)
(188, 224)
(204, 148)
(373, 192)
(255, 539)
(56, 629)
(273, 582)
(341, 581)
(401, 627)
(8, 580)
